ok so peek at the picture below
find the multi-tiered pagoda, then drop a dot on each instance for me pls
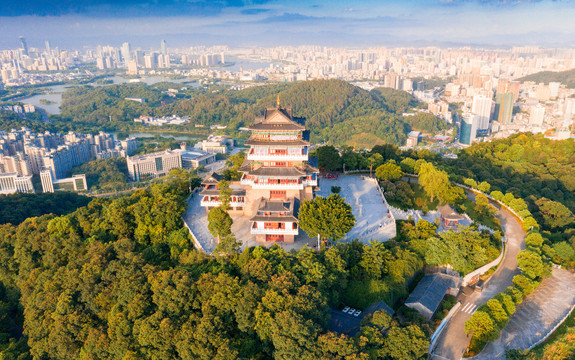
(277, 175)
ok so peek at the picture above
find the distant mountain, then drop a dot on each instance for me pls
(566, 78)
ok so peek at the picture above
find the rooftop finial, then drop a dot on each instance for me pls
(278, 100)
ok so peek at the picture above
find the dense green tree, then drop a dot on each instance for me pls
(408, 165)
(104, 174)
(436, 184)
(225, 194)
(481, 327)
(524, 284)
(15, 208)
(484, 187)
(406, 343)
(330, 217)
(465, 250)
(530, 264)
(555, 215)
(388, 172)
(374, 161)
(374, 259)
(233, 163)
(328, 158)
(219, 222)
(471, 183)
(497, 312)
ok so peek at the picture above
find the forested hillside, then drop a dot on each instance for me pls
(16, 208)
(336, 111)
(118, 279)
(566, 78)
(533, 168)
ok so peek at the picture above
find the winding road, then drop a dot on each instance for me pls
(453, 341)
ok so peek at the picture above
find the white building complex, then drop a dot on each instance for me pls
(50, 184)
(11, 183)
(160, 163)
(217, 144)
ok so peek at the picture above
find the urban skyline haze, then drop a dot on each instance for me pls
(280, 22)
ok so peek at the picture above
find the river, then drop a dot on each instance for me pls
(54, 92)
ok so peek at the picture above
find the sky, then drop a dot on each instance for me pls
(242, 23)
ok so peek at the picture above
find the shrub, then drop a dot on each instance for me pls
(515, 294)
(484, 187)
(497, 195)
(498, 313)
(524, 284)
(507, 302)
(534, 241)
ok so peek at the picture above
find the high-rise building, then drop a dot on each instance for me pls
(482, 107)
(23, 45)
(126, 53)
(537, 115)
(164, 48)
(554, 89)
(407, 85)
(150, 61)
(468, 129)
(568, 111)
(47, 43)
(132, 67)
(504, 107)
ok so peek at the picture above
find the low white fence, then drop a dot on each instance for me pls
(552, 330)
(386, 222)
(482, 270)
(197, 244)
(442, 326)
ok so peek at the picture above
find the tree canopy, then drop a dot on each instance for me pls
(330, 218)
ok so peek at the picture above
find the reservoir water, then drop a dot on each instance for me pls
(54, 93)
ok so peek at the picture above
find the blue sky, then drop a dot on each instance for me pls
(280, 22)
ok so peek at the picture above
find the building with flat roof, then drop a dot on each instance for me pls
(153, 165)
(413, 138)
(160, 163)
(192, 159)
(215, 144)
(11, 183)
(50, 184)
(468, 129)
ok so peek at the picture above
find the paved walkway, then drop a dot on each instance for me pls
(373, 219)
(536, 316)
(363, 195)
(197, 220)
(453, 341)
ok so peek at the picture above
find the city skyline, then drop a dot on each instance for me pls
(264, 23)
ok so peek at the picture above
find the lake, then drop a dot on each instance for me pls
(176, 136)
(54, 92)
